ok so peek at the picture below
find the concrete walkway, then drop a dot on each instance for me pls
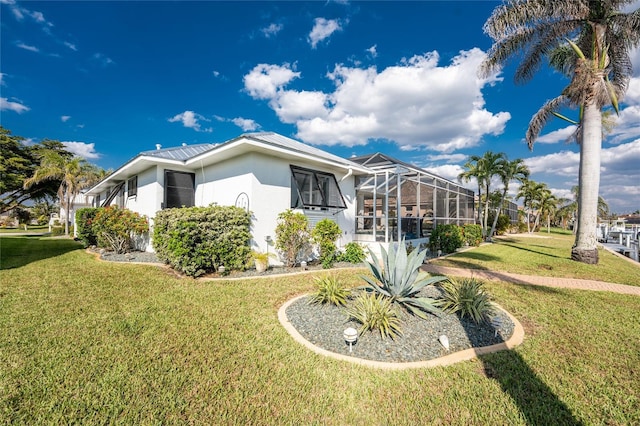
(556, 282)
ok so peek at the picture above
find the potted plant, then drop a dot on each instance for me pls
(261, 260)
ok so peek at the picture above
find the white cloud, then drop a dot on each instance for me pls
(619, 174)
(2, 82)
(633, 91)
(264, 80)
(246, 124)
(7, 105)
(190, 120)
(28, 47)
(627, 125)
(560, 135)
(452, 158)
(82, 149)
(216, 73)
(563, 163)
(71, 46)
(322, 29)
(102, 59)
(291, 106)
(416, 103)
(373, 50)
(451, 172)
(65, 118)
(271, 30)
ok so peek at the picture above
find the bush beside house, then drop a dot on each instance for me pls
(198, 240)
(116, 228)
(446, 237)
(84, 222)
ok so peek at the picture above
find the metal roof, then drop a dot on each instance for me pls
(276, 139)
(179, 153)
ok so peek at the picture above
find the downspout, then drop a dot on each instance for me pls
(349, 173)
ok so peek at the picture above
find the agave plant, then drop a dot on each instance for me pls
(399, 278)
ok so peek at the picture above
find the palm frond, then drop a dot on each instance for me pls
(540, 118)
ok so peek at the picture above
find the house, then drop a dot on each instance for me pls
(373, 198)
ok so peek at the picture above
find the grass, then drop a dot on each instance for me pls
(21, 230)
(83, 341)
(546, 254)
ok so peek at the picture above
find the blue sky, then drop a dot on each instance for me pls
(112, 79)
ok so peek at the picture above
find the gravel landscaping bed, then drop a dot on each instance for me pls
(323, 325)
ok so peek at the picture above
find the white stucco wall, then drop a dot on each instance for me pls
(267, 182)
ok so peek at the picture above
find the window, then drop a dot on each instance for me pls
(179, 189)
(132, 187)
(310, 188)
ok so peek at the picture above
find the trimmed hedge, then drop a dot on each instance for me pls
(84, 224)
(447, 238)
(472, 234)
(198, 240)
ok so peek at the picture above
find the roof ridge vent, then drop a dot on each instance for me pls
(158, 147)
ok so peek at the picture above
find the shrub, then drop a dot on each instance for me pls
(325, 234)
(375, 312)
(292, 237)
(502, 225)
(329, 290)
(197, 240)
(353, 253)
(56, 231)
(84, 224)
(399, 278)
(522, 227)
(472, 234)
(467, 297)
(447, 238)
(115, 228)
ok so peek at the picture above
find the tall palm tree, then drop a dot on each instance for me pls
(511, 170)
(75, 174)
(483, 169)
(492, 165)
(473, 169)
(531, 192)
(600, 34)
(547, 206)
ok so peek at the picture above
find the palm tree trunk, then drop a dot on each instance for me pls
(486, 214)
(585, 248)
(495, 219)
(67, 215)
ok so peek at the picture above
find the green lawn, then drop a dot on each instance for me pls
(547, 254)
(89, 342)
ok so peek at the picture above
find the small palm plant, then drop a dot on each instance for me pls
(329, 290)
(468, 297)
(399, 278)
(375, 312)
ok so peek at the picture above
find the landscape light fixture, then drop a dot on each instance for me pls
(350, 336)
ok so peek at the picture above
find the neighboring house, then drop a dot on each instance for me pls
(267, 173)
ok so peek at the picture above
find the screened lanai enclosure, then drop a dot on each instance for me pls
(400, 201)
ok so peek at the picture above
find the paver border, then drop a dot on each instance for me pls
(464, 355)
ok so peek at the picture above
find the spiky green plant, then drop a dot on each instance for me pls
(375, 312)
(399, 278)
(329, 290)
(467, 297)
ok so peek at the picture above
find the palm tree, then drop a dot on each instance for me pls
(473, 169)
(600, 34)
(531, 192)
(547, 206)
(492, 165)
(511, 170)
(75, 174)
(483, 169)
